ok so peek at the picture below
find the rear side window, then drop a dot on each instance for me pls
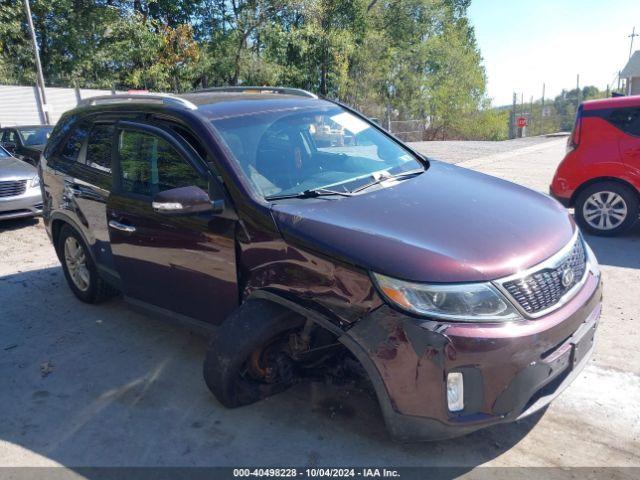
(626, 119)
(149, 164)
(99, 147)
(57, 136)
(71, 147)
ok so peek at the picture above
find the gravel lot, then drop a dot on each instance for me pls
(103, 386)
(460, 151)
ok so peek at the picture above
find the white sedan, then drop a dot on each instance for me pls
(20, 194)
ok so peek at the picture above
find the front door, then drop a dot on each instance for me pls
(182, 264)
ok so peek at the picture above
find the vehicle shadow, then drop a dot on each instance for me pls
(100, 385)
(621, 251)
(17, 224)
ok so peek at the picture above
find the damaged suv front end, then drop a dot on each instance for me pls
(468, 300)
(502, 356)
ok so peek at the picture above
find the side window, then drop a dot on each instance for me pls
(191, 140)
(627, 120)
(99, 147)
(11, 136)
(57, 135)
(71, 147)
(149, 164)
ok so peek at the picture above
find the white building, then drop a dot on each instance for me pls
(631, 75)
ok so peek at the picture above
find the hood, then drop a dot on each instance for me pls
(13, 169)
(448, 224)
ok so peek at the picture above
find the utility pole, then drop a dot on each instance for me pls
(34, 41)
(579, 96)
(632, 36)
(512, 125)
(530, 116)
(542, 111)
(521, 130)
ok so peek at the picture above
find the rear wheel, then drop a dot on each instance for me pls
(607, 208)
(79, 268)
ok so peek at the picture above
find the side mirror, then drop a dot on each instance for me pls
(185, 201)
(10, 146)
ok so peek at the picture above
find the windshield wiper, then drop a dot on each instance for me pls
(410, 173)
(311, 193)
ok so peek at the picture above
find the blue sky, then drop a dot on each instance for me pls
(525, 43)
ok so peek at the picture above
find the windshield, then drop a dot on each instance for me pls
(299, 149)
(35, 135)
(4, 153)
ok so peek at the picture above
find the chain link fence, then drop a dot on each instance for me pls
(409, 130)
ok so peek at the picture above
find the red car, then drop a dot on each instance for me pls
(600, 175)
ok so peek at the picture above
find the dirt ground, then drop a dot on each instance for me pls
(84, 385)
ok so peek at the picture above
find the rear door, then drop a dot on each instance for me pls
(90, 187)
(79, 180)
(181, 264)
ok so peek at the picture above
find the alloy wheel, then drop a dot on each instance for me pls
(605, 210)
(76, 261)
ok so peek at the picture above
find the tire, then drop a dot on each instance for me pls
(87, 285)
(606, 208)
(253, 326)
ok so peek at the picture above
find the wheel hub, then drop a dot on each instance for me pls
(271, 364)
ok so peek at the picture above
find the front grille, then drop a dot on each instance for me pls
(13, 188)
(544, 288)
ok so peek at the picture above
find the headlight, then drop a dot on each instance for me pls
(35, 182)
(470, 302)
(592, 261)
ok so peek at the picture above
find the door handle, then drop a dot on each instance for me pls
(121, 226)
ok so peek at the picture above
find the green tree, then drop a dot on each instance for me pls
(404, 59)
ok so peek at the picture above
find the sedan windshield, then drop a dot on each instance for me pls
(295, 150)
(4, 153)
(35, 135)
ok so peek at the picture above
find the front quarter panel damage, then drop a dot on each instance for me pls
(409, 357)
(341, 292)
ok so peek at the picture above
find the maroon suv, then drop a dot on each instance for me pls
(313, 243)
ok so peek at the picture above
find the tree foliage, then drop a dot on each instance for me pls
(394, 59)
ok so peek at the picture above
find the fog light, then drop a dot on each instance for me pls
(455, 392)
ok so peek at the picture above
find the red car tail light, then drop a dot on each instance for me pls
(574, 138)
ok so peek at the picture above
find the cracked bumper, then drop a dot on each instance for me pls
(510, 371)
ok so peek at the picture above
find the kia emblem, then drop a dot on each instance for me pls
(567, 277)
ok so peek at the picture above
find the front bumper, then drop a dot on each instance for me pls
(29, 204)
(510, 371)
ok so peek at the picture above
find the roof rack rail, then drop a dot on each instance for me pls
(240, 89)
(137, 98)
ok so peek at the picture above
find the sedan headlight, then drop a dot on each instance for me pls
(35, 182)
(468, 302)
